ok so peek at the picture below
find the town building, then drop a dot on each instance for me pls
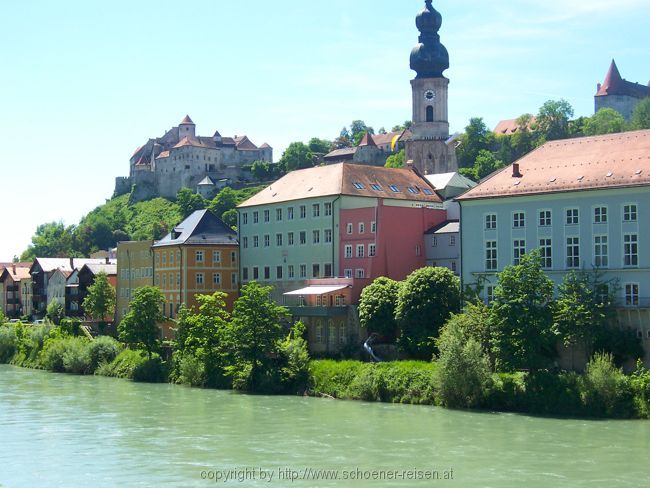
(134, 270)
(72, 302)
(582, 202)
(11, 277)
(181, 159)
(86, 277)
(619, 94)
(345, 220)
(429, 145)
(200, 256)
(26, 295)
(56, 286)
(373, 149)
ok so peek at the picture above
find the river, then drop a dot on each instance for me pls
(60, 430)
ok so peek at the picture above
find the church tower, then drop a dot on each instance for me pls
(427, 146)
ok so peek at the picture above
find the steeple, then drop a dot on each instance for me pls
(613, 81)
(429, 58)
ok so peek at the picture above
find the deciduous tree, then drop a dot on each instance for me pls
(100, 301)
(605, 121)
(139, 327)
(641, 115)
(377, 307)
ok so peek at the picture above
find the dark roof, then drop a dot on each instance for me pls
(447, 227)
(367, 140)
(614, 84)
(342, 153)
(202, 227)
(187, 120)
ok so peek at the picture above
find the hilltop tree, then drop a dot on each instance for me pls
(53, 239)
(189, 202)
(605, 121)
(406, 125)
(553, 120)
(297, 156)
(358, 129)
(139, 327)
(486, 164)
(319, 146)
(226, 199)
(100, 301)
(641, 115)
(343, 140)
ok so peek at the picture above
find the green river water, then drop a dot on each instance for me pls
(60, 430)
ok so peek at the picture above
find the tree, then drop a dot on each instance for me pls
(406, 125)
(189, 202)
(641, 115)
(553, 120)
(477, 137)
(358, 129)
(319, 146)
(100, 301)
(377, 307)
(486, 164)
(521, 315)
(395, 160)
(253, 337)
(226, 199)
(425, 301)
(53, 239)
(139, 327)
(55, 312)
(297, 156)
(605, 121)
(229, 218)
(294, 353)
(523, 140)
(343, 140)
(474, 323)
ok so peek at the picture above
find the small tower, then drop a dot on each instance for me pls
(427, 146)
(186, 128)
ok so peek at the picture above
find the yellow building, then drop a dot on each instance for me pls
(134, 270)
(200, 256)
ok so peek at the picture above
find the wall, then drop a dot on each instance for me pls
(134, 270)
(624, 105)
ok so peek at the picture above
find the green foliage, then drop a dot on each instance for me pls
(294, 356)
(139, 327)
(52, 239)
(605, 121)
(253, 338)
(425, 301)
(377, 308)
(29, 343)
(265, 170)
(621, 343)
(319, 146)
(605, 389)
(151, 370)
(189, 201)
(396, 160)
(66, 354)
(522, 141)
(521, 315)
(641, 115)
(226, 199)
(55, 312)
(3, 318)
(103, 350)
(100, 301)
(477, 137)
(229, 218)
(134, 364)
(553, 120)
(358, 129)
(70, 327)
(191, 371)
(8, 343)
(640, 386)
(474, 323)
(297, 156)
(486, 163)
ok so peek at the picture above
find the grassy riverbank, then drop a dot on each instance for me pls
(603, 392)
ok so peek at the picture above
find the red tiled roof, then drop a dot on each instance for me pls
(509, 126)
(586, 163)
(614, 84)
(367, 140)
(187, 120)
(385, 139)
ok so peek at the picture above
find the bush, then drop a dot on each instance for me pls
(640, 386)
(152, 370)
(76, 357)
(103, 350)
(133, 364)
(8, 343)
(191, 371)
(294, 355)
(71, 327)
(605, 389)
(30, 340)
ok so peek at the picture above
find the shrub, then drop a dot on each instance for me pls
(331, 377)
(191, 371)
(8, 343)
(71, 327)
(294, 354)
(103, 350)
(30, 340)
(76, 357)
(605, 389)
(152, 370)
(640, 386)
(133, 364)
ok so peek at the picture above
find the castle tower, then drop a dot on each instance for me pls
(186, 128)
(427, 146)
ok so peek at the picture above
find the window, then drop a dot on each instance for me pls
(600, 215)
(359, 273)
(256, 273)
(164, 258)
(360, 250)
(546, 253)
(518, 219)
(347, 273)
(244, 218)
(452, 240)
(426, 191)
(631, 294)
(362, 228)
(340, 299)
(315, 270)
(429, 113)
(372, 250)
(164, 277)
(216, 279)
(199, 256)
(303, 211)
(518, 250)
(358, 186)
(267, 240)
(434, 241)
(303, 237)
(572, 216)
(394, 188)
(316, 237)
(489, 294)
(233, 280)
(233, 257)
(453, 266)
(290, 238)
(319, 333)
(573, 252)
(601, 259)
(278, 214)
(328, 235)
(349, 228)
(490, 255)
(376, 186)
(290, 213)
(630, 250)
(328, 270)
(256, 241)
(630, 212)
(216, 256)
(303, 271)
(328, 209)
(291, 273)
(315, 210)
(373, 227)
(544, 218)
(278, 240)
(342, 334)
(256, 217)
(267, 215)
(413, 190)
(491, 221)
(244, 274)
(602, 293)
(199, 278)
(267, 272)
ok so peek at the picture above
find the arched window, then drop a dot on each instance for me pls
(429, 113)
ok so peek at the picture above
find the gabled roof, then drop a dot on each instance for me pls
(109, 269)
(50, 264)
(17, 273)
(346, 179)
(244, 143)
(344, 152)
(191, 141)
(441, 181)
(614, 84)
(187, 120)
(510, 126)
(207, 181)
(586, 163)
(367, 140)
(383, 139)
(202, 227)
(447, 227)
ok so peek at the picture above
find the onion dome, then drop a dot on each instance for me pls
(429, 58)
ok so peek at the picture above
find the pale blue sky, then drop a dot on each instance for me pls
(86, 82)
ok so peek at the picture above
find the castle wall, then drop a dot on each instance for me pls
(624, 105)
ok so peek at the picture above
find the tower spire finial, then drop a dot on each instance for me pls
(429, 58)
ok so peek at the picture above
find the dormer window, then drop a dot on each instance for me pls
(376, 186)
(413, 190)
(358, 186)
(394, 188)
(426, 191)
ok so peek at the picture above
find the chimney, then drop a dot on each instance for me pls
(14, 268)
(107, 260)
(409, 164)
(72, 264)
(598, 85)
(515, 170)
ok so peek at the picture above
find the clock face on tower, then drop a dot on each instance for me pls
(429, 95)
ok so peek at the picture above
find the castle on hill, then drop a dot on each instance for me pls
(181, 159)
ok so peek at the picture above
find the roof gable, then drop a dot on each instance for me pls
(202, 227)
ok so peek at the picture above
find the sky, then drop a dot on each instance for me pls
(84, 83)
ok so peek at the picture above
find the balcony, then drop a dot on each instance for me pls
(318, 311)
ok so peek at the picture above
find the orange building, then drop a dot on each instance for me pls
(200, 256)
